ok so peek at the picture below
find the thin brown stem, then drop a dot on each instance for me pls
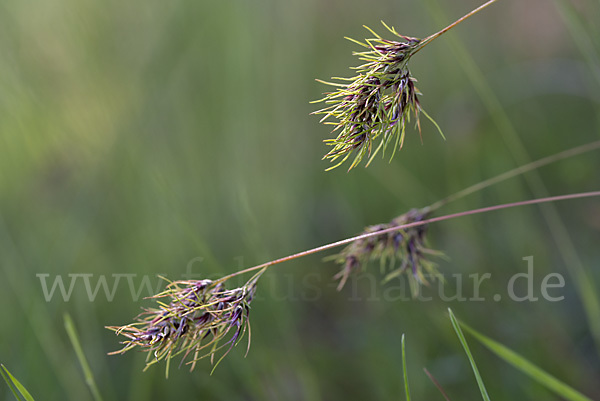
(428, 39)
(437, 384)
(415, 224)
(517, 171)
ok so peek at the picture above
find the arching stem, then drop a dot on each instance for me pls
(588, 147)
(415, 224)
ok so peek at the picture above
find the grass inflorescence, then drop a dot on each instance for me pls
(399, 251)
(201, 314)
(200, 317)
(196, 319)
(376, 104)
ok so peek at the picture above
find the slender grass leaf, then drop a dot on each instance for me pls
(531, 370)
(406, 389)
(10, 383)
(15, 385)
(87, 372)
(463, 341)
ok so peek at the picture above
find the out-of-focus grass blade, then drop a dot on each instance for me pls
(406, 389)
(87, 372)
(583, 38)
(463, 341)
(14, 385)
(545, 379)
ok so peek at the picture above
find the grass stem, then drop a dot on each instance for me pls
(430, 38)
(517, 171)
(415, 224)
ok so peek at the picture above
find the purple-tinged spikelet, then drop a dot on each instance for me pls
(199, 318)
(400, 251)
(374, 105)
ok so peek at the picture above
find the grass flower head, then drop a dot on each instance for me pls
(199, 317)
(400, 251)
(376, 104)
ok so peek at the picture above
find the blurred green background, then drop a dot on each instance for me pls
(152, 137)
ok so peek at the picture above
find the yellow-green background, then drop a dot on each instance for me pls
(136, 136)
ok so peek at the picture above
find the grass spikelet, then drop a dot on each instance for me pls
(199, 319)
(400, 251)
(371, 110)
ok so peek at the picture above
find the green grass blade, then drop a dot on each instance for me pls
(581, 38)
(406, 389)
(87, 372)
(9, 382)
(15, 385)
(463, 341)
(531, 370)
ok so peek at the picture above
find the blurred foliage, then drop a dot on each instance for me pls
(170, 137)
